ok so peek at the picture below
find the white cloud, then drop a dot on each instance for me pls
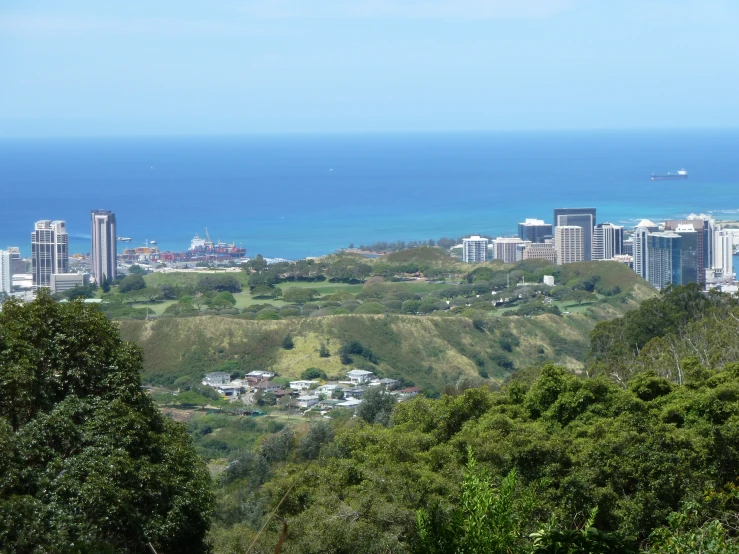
(468, 9)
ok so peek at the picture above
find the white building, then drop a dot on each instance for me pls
(723, 252)
(67, 281)
(568, 242)
(302, 385)
(608, 241)
(261, 374)
(359, 376)
(540, 251)
(549, 280)
(508, 249)
(307, 400)
(474, 249)
(328, 390)
(640, 246)
(6, 278)
(49, 251)
(349, 403)
(217, 378)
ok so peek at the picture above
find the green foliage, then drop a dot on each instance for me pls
(219, 283)
(313, 373)
(299, 295)
(131, 283)
(87, 459)
(377, 406)
(287, 342)
(484, 522)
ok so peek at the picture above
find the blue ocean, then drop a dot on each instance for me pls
(293, 196)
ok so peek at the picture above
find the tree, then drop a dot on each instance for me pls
(257, 264)
(218, 283)
(313, 373)
(287, 342)
(377, 406)
(265, 291)
(319, 433)
(323, 351)
(132, 282)
(105, 284)
(222, 300)
(136, 269)
(85, 457)
(299, 296)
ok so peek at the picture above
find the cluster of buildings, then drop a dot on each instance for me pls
(677, 252)
(50, 259)
(307, 394)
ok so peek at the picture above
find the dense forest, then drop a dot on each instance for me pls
(641, 452)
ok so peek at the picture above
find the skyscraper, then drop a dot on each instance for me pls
(534, 230)
(663, 259)
(698, 226)
(474, 249)
(6, 282)
(49, 251)
(723, 252)
(569, 244)
(103, 249)
(580, 217)
(640, 246)
(608, 241)
(17, 265)
(691, 259)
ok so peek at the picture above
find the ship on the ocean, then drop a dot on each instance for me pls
(680, 174)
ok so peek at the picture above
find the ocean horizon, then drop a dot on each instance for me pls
(293, 196)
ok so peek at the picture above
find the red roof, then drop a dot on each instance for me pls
(410, 389)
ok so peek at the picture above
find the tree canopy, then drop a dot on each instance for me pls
(86, 459)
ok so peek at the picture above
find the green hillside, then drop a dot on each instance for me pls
(431, 351)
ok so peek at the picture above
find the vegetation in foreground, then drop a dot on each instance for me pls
(87, 461)
(555, 462)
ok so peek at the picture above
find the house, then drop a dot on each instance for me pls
(351, 403)
(217, 378)
(302, 385)
(328, 390)
(261, 374)
(354, 393)
(329, 403)
(307, 400)
(282, 392)
(359, 376)
(388, 384)
(410, 392)
(267, 386)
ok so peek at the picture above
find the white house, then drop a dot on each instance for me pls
(389, 384)
(410, 392)
(359, 376)
(307, 400)
(261, 374)
(217, 378)
(302, 385)
(328, 390)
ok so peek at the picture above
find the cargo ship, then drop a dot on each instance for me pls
(680, 174)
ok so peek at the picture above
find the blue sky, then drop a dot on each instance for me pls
(85, 67)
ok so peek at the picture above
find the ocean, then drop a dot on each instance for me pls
(293, 196)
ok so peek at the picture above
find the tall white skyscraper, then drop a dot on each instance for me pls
(6, 281)
(474, 249)
(569, 244)
(103, 248)
(723, 252)
(49, 251)
(608, 241)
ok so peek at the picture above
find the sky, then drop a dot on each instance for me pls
(168, 67)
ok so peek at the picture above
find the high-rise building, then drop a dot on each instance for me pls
(608, 241)
(508, 249)
(691, 260)
(723, 252)
(49, 251)
(709, 232)
(6, 275)
(664, 265)
(580, 217)
(698, 226)
(534, 230)
(103, 252)
(474, 249)
(640, 246)
(569, 244)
